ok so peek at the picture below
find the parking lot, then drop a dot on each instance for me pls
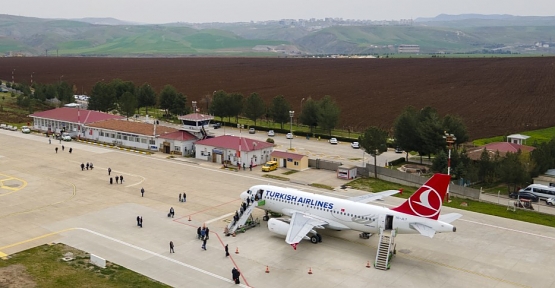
(45, 197)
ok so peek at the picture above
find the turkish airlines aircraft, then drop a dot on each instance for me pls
(418, 214)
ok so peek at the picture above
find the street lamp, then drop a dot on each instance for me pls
(450, 139)
(291, 114)
(301, 111)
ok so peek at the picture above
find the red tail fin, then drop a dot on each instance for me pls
(427, 200)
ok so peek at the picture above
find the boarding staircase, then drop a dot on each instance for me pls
(386, 248)
(233, 226)
(203, 132)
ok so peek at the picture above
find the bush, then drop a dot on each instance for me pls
(270, 140)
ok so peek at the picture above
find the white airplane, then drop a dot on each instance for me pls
(418, 214)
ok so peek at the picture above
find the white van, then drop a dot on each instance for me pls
(66, 137)
(541, 191)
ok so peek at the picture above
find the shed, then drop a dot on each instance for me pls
(290, 160)
(347, 172)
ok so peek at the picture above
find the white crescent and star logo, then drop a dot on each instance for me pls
(428, 205)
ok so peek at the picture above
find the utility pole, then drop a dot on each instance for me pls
(450, 139)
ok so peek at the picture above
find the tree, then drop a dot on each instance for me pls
(439, 164)
(430, 132)
(179, 106)
(103, 97)
(127, 104)
(120, 87)
(310, 113)
(374, 142)
(146, 97)
(254, 107)
(280, 110)
(406, 130)
(512, 171)
(219, 106)
(329, 113)
(235, 105)
(167, 98)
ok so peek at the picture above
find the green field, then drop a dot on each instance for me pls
(536, 136)
(43, 267)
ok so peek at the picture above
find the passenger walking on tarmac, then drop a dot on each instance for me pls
(82, 167)
(63, 147)
(117, 179)
(203, 234)
(91, 166)
(198, 232)
(56, 150)
(207, 233)
(204, 244)
(109, 171)
(184, 197)
(226, 250)
(111, 181)
(180, 198)
(70, 150)
(142, 192)
(171, 247)
(235, 273)
(138, 220)
(172, 212)
(49, 141)
(87, 165)
(250, 167)
(243, 166)
(141, 222)
(120, 179)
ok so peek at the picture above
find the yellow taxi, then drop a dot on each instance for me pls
(269, 166)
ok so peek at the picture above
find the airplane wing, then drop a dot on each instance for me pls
(448, 218)
(300, 225)
(423, 229)
(373, 196)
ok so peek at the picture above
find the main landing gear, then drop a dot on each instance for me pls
(365, 235)
(316, 238)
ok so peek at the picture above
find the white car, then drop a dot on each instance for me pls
(355, 145)
(271, 133)
(289, 136)
(333, 141)
(66, 137)
(25, 129)
(550, 201)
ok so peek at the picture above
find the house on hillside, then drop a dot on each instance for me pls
(512, 145)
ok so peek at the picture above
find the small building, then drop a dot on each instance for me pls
(408, 48)
(517, 139)
(68, 119)
(179, 142)
(129, 134)
(347, 172)
(289, 160)
(235, 150)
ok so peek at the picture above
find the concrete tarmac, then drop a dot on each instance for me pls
(45, 197)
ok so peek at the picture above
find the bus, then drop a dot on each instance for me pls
(541, 191)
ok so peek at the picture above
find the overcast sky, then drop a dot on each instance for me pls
(166, 11)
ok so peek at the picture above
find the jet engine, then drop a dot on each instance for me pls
(278, 226)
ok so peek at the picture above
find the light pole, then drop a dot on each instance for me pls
(32, 78)
(13, 71)
(301, 111)
(450, 139)
(291, 114)
(240, 127)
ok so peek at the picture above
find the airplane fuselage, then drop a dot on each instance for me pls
(342, 214)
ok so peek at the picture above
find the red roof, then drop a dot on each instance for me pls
(75, 115)
(286, 155)
(507, 147)
(179, 135)
(232, 142)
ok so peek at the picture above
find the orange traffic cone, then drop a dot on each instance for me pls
(368, 264)
(237, 250)
(189, 217)
(309, 270)
(267, 269)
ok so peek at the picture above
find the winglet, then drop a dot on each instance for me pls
(426, 202)
(294, 245)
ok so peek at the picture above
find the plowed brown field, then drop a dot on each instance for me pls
(494, 96)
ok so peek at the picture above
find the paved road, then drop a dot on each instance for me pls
(45, 197)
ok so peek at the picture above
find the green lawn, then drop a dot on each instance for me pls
(536, 136)
(43, 266)
(376, 185)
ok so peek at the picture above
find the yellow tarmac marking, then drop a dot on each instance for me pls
(8, 178)
(31, 240)
(41, 207)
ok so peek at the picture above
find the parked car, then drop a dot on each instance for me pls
(217, 125)
(525, 195)
(25, 129)
(252, 131)
(3, 126)
(398, 150)
(66, 137)
(550, 201)
(289, 136)
(333, 141)
(271, 133)
(355, 145)
(269, 166)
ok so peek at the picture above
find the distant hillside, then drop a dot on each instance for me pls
(467, 33)
(105, 21)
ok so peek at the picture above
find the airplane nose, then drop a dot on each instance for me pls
(454, 229)
(244, 196)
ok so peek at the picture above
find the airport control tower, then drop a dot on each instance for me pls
(197, 124)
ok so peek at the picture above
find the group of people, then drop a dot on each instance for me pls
(140, 221)
(118, 178)
(203, 233)
(184, 198)
(70, 149)
(89, 165)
